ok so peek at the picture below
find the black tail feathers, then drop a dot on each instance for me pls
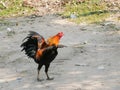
(30, 45)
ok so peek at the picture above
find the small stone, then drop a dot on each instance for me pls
(101, 67)
(9, 29)
(73, 16)
(19, 78)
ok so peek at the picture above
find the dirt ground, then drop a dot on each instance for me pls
(90, 62)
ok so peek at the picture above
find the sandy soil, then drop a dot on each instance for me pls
(90, 62)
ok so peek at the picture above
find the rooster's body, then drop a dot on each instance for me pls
(43, 52)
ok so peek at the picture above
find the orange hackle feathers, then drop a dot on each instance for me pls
(55, 39)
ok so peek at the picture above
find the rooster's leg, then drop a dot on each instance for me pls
(39, 67)
(46, 72)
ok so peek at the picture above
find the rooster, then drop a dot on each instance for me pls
(43, 52)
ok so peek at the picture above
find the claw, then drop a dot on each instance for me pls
(50, 78)
(39, 79)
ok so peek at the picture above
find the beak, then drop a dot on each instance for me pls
(61, 46)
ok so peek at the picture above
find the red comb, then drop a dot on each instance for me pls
(60, 34)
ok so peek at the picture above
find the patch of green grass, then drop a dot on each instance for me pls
(90, 11)
(13, 8)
